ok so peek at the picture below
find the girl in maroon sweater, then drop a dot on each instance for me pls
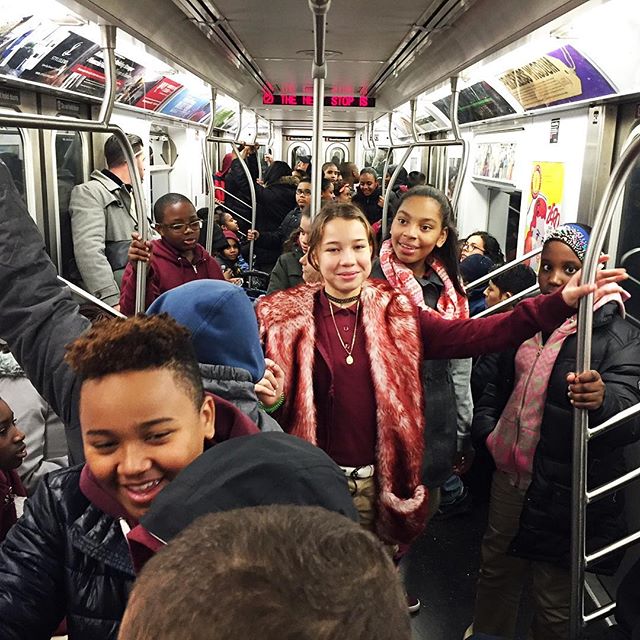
(352, 349)
(12, 453)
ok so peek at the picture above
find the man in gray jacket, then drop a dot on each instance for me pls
(103, 218)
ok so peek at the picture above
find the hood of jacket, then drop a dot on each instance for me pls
(235, 385)
(162, 250)
(262, 469)
(223, 325)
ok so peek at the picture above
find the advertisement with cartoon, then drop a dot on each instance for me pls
(543, 214)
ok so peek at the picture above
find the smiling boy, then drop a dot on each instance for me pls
(174, 259)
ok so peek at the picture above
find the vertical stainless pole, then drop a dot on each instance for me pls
(108, 33)
(455, 127)
(255, 141)
(210, 161)
(319, 8)
(318, 116)
(252, 189)
(414, 130)
(583, 363)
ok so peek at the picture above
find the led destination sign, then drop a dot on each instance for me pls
(284, 99)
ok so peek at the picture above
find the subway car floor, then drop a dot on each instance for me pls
(441, 569)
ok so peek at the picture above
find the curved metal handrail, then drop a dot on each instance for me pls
(580, 416)
(504, 268)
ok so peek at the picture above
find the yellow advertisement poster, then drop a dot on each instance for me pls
(545, 204)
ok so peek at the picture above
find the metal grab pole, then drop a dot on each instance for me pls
(209, 170)
(414, 130)
(79, 291)
(455, 127)
(583, 363)
(387, 195)
(252, 189)
(108, 33)
(255, 141)
(319, 8)
(503, 269)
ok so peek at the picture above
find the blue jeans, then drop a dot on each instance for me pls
(451, 490)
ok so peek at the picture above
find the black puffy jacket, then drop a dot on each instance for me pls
(63, 557)
(545, 522)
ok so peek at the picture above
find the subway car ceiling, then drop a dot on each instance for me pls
(388, 52)
(377, 59)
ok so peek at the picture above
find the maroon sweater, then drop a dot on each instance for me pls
(347, 427)
(167, 270)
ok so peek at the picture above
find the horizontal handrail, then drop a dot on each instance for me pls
(219, 203)
(235, 198)
(602, 612)
(611, 548)
(619, 418)
(610, 487)
(89, 298)
(504, 268)
(516, 297)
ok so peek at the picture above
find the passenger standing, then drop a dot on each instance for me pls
(236, 184)
(349, 173)
(12, 452)
(369, 196)
(103, 218)
(351, 350)
(330, 171)
(420, 260)
(529, 527)
(288, 270)
(174, 259)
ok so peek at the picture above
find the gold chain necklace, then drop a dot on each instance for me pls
(347, 348)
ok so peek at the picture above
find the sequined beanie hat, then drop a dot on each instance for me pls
(575, 236)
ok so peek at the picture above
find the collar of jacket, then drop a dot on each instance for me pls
(163, 249)
(388, 319)
(108, 183)
(99, 536)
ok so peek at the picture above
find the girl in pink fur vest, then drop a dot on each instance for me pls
(351, 350)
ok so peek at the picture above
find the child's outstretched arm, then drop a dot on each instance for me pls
(474, 337)
(37, 315)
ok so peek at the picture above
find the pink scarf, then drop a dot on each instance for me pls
(451, 304)
(514, 440)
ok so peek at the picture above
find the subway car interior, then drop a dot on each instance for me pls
(526, 115)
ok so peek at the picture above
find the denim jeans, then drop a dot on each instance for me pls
(451, 490)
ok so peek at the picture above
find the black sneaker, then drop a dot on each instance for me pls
(459, 507)
(413, 604)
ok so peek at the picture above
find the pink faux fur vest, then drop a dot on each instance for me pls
(287, 328)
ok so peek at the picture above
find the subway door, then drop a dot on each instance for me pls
(67, 163)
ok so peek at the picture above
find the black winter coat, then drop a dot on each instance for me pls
(64, 556)
(545, 522)
(369, 204)
(237, 184)
(274, 203)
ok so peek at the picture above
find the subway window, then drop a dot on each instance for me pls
(12, 154)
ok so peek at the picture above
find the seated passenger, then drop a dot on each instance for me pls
(484, 244)
(102, 220)
(342, 191)
(174, 259)
(224, 335)
(12, 452)
(43, 429)
(473, 268)
(529, 417)
(326, 190)
(276, 559)
(288, 271)
(145, 417)
(228, 257)
(415, 179)
(509, 283)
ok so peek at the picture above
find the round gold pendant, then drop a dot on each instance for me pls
(349, 359)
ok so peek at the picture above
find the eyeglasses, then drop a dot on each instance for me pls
(303, 192)
(181, 227)
(469, 246)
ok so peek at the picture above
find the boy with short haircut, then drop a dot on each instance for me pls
(12, 453)
(509, 283)
(174, 259)
(275, 558)
(144, 418)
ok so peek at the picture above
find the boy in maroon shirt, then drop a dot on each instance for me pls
(173, 260)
